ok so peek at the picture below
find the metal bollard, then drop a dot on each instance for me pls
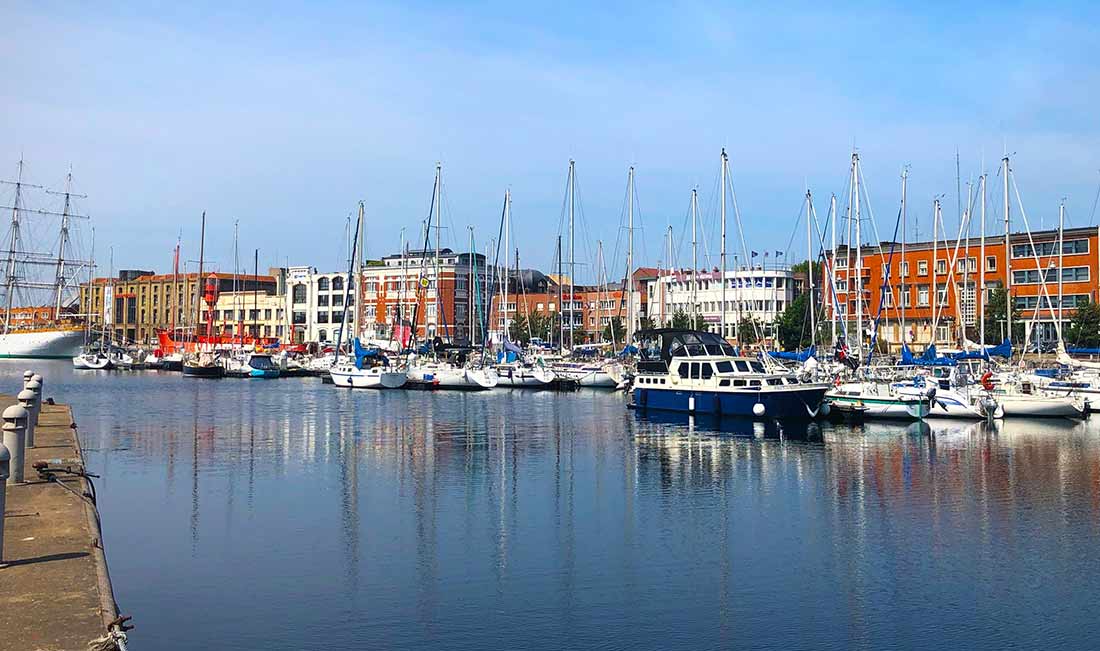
(15, 429)
(5, 470)
(29, 400)
(28, 375)
(33, 385)
(41, 394)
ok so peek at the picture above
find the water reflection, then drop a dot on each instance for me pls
(540, 520)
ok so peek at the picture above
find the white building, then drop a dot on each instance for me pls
(315, 303)
(760, 294)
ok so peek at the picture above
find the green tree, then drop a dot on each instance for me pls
(517, 329)
(680, 319)
(793, 325)
(747, 329)
(1084, 328)
(646, 323)
(540, 325)
(995, 310)
(614, 331)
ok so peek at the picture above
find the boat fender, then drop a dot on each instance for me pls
(987, 381)
(758, 409)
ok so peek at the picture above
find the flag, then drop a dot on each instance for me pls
(754, 254)
(778, 253)
(765, 254)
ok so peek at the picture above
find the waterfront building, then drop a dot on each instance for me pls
(950, 285)
(757, 293)
(144, 302)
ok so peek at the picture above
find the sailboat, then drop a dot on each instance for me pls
(204, 363)
(439, 365)
(38, 285)
(368, 368)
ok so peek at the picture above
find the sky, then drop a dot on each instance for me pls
(279, 119)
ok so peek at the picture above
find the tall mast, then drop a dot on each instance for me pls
(629, 260)
(935, 263)
(904, 293)
(471, 287)
(199, 280)
(664, 290)
(1061, 248)
(694, 262)
(572, 259)
(174, 301)
(438, 224)
(981, 269)
(722, 256)
(810, 264)
(859, 258)
(13, 245)
(833, 307)
(1008, 253)
(504, 286)
(255, 293)
(601, 292)
(357, 281)
(238, 304)
(63, 241)
(561, 318)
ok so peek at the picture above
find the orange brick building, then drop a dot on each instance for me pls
(949, 284)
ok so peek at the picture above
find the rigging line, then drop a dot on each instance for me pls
(1092, 215)
(1043, 292)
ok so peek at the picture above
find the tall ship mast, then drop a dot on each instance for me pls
(39, 298)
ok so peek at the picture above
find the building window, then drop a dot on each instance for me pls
(887, 297)
(922, 295)
(904, 269)
(941, 267)
(1069, 247)
(322, 300)
(267, 315)
(338, 300)
(299, 293)
(990, 263)
(905, 301)
(337, 284)
(322, 335)
(941, 293)
(322, 317)
(322, 284)
(298, 318)
(1069, 275)
(922, 267)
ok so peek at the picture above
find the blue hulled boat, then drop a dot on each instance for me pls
(699, 372)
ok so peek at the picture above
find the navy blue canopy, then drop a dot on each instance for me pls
(794, 356)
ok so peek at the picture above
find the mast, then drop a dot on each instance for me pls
(722, 256)
(63, 241)
(832, 271)
(561, 319)
(9, 274)
(438, 219)
(934, 298)
(664, 289)
(601, 291)
(810, 264)
(859, 258)
(1061, 248)
(629, 260)
(255, 294)
(238, 304)
(199, 280)
(1008, 253)
(174, 302)
(904, 289)
(981, 269)
(572, 251)
(694, 262)
(357, 281)
(504, 286)
(471, 286)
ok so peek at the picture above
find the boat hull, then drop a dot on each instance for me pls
(1025, 406)
(358, 379)
(875, 407)
(41, 344)
(531, 378)
(213, 372)
(796, 403)
(455, 379)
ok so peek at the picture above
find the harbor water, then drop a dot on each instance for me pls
(289, 514)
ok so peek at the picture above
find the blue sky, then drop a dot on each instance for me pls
(283, 117)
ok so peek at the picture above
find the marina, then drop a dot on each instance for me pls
(278, 512)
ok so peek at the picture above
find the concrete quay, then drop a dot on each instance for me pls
(55, 591)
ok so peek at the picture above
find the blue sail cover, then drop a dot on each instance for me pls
(1003, 349)
(794, 356)
(1083, 351)
(362, 353)
(629, 349)
(929, 358)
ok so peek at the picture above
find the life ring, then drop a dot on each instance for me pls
(987, 381)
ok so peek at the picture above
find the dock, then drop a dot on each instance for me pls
(55, 590)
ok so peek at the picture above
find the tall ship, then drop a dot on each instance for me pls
(39, 295)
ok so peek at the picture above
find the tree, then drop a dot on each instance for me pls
(793, 325)
(517, 330)
(614, 330)
(747, 329)
(681, 320)
(995, 310)
(540, 325)
(1084, 328)
(646, 323)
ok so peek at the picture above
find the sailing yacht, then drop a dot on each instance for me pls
(38, 285)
